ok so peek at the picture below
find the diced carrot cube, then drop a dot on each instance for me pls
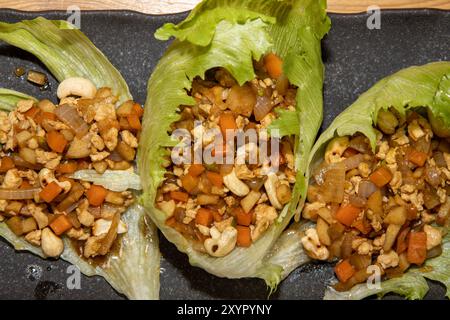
(227, 122)
(417, 157)
(244, 236)
(68, 167)
(417, 247)
(179, 196)
(344, 270)
(56, 141)
(189, 182)
(32, 112)
(243, 218)
(381, 177)
(25, 185)
(215, 178)
(96, 195)
(50, 192)
(137, 109)
(347, 214)
(6, 164)
(60, 225)
(196, 169)
(274, 65)
(134, 121)
(204, 217)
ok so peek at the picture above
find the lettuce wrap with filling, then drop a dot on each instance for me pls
(425, 90)
(67, 52)
(231, 36)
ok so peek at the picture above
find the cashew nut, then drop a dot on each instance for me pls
(221, 244)
(271, 189)
(335, 149)
(76, 86)
(52, 245)
(313, 247)
(101, 226)
(388, 260)
(250, 200)
(168, 207)
(265, 216)
(235, 185)
(434, 236)
(47, 176)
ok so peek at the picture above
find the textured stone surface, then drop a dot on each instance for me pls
(355, 59)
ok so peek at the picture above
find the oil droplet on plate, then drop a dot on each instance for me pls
(33, 272)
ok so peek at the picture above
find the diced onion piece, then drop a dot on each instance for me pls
(241, 100)
(333, 181)
(359, 143)
(439, 159)
(262, 107)
(255, 183)
(353, 161)
(366, 188)
(22, 194)
(357, 201)
(282, 85)
(108, 240)
(432, 176)
(69, 115)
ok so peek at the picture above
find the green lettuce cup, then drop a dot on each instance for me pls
(133, 270)
(224, 42)
(378, 188)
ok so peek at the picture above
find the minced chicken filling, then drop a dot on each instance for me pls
(42, 145)
(381, 209)
(223, 205)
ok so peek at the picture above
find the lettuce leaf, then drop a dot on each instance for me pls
(413, 87)
(68, 52)
(9, 98)
(287, 251)
(418, 86)
(411, 285)
(114, 180)
(229, 34)
(65, 51)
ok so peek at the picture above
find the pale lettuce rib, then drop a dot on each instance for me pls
(114, 180)
(9, 98)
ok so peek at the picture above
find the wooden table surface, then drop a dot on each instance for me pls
(173, 6)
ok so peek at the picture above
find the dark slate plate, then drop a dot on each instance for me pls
(355, 58)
